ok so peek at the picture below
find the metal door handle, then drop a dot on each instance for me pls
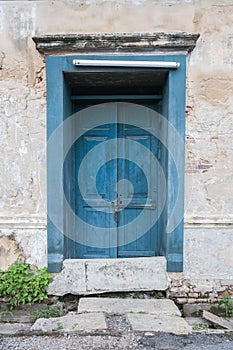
(115, 208)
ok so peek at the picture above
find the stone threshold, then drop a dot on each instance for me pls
(95, 276)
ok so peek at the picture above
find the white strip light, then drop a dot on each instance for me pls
(115, 63)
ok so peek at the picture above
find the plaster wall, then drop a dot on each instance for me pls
(209, 157)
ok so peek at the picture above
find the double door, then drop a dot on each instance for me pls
(116, 182)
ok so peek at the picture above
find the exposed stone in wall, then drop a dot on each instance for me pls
(33, 242)
(188, 291)
(9, 252)
(27, 245)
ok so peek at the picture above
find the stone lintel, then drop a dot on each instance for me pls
(116, 42)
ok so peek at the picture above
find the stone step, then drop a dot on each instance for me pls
(144, 315)
(159, 307)
(164, 324)
(94, 276)
(71, 323)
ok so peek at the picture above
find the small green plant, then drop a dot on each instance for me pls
(47, 312)
(5, 313)
(200, 326)
(227, 304)
(60, 325)
(132, 295)
(21, 285)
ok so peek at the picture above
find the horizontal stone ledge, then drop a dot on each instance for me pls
(23, 222)
(116, 42)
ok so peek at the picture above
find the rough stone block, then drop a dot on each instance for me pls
(71, 280)
(181, 300)
(195, 310)
(193, 295)
(192, 301)
(219, 321)
(122, 306)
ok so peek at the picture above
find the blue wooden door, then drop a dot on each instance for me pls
(121, 182)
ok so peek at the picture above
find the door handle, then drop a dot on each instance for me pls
(115, 208)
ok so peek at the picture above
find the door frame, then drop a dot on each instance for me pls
(57, 110)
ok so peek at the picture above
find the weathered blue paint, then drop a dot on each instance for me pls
(176, 116)
(109, 176)
(59, 107)
(54, 82)
(106, 186)
(147, 244)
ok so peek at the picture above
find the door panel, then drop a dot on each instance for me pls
(144, 187)
(89, 204)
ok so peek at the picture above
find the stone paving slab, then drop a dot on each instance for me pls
(71, 323)
(159, 307)
(152, 323)
(14, 328)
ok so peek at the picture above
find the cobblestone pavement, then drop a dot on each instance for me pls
(128, 341)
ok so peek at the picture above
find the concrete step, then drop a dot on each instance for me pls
(94, 276)
(159, 307)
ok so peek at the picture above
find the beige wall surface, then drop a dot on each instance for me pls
(209, 122)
